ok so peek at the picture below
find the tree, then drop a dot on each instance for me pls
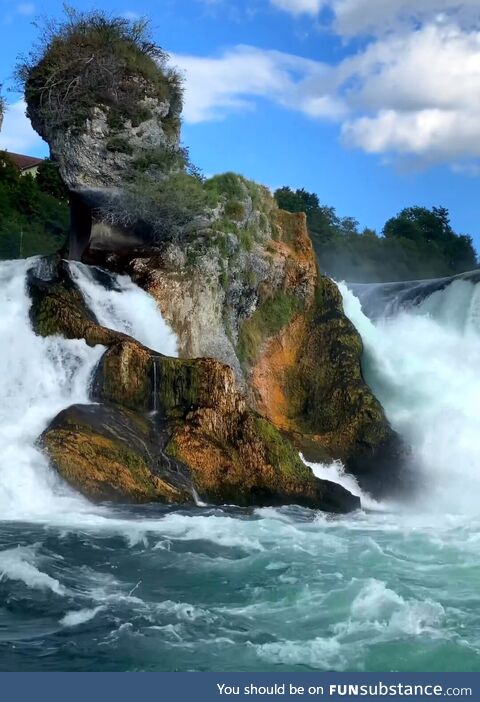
(49, 180)
(432, 227)
(31, 221)
(417, 243)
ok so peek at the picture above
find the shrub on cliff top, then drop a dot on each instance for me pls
(90, 58)
(159, 208)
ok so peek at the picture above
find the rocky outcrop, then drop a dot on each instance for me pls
(260, 305)
(163, 426)
(107, 452)
(105, 100)
(234, 276)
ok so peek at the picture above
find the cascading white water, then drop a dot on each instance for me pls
(126, 308)
(43, 376)
(39, 378)
(424, 366)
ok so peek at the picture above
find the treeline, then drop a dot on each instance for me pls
(34, 212)
(417, 243)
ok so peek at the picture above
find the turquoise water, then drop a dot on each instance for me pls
(390, 588)
(233, 590)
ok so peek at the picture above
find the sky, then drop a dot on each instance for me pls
(372, 104)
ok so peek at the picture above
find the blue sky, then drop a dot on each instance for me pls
(373, 104)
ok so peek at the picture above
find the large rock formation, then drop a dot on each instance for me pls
(234, 276)
(104, 99)
(245, 289)
(163, 426)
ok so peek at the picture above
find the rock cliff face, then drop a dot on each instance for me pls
(104, 99)
(246, 290)
(164, 426)
(234, 276)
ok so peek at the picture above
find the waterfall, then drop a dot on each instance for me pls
(422, 360)
(39, 378)
(121, 305)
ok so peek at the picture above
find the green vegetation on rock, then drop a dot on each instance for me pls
(281, 453)
(87, 59)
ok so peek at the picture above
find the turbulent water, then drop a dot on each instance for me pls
(152, 588)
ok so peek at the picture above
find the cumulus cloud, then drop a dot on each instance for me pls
(17, 134)
(234, 80)
(417, 94)
(299, 7)
(411, 90)
(379, 16)
(353, 17)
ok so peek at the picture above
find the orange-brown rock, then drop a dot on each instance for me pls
(295, 353)
(163, 425)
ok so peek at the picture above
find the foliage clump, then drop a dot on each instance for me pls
(158, 208)
(34, 214)
(417, 243)
(91, 58)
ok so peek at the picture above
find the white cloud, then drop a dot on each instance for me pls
(378, 16)
(26, 8)
(353, 17)
(299, 7)
(419, 94)
(412, 92)
(234, 80)
(131, 15)
(17, 134)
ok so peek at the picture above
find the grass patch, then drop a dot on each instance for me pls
(119, 144)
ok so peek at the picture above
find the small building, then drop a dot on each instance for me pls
(25, 164)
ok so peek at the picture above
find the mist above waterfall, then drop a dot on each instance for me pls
(422, 360)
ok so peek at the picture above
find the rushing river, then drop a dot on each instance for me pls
(153, 588)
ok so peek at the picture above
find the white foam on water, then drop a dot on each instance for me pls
(19, 564)
(335, 473)
(82, 616)
(126, 308)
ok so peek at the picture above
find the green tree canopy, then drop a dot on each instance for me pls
(32, 220)
(417, 243)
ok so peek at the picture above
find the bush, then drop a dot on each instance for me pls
(160, 208)
(90, 58)
(228, 185)
(119, 144)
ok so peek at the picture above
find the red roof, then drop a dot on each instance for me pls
(24, 163)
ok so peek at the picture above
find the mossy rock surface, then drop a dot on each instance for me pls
(249, 463)
(109, 453)
(164, 424)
